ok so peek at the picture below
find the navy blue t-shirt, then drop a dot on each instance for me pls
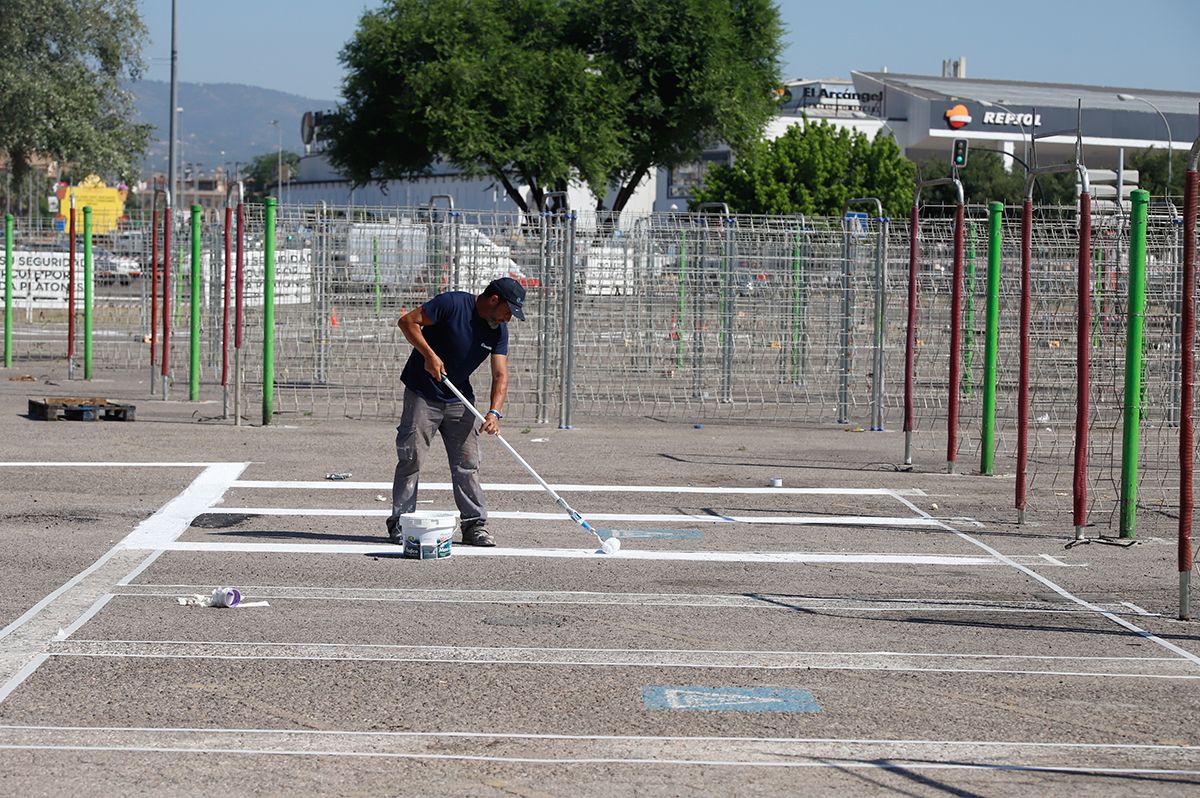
(461, 338)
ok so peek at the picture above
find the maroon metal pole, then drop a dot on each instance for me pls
(71, 285)
(1082, 336)
(225, 308)
(153, 292)
(955, 339)
(1187, 451)
(166, 299)
(910, 349)
(1023, 350)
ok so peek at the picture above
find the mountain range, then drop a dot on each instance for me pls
(221, 123)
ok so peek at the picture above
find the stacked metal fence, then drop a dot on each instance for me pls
(682, 316)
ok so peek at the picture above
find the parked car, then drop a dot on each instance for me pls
(110, 268)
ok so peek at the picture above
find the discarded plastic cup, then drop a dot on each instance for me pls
(226, 597)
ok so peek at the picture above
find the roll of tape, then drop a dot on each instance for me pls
(226, 597)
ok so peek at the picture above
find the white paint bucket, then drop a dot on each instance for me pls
(427, 533)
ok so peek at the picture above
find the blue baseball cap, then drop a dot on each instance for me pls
(511, 292)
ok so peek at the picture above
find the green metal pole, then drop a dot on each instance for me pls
(268, 378)
(991, 338)
(968, 356)
(87, 292)
(8, 271)
(375, 266)
(1133, 362)
(194, 332)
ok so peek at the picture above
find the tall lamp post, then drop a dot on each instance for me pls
(1024, 135)
(1162, 116)
(278, 158)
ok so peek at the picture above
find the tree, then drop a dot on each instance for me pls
(550, 91)
(1152, 170)
(263, 172)
(62, 64)
(813, 169)
(985, 180)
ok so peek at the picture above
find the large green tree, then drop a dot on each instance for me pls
(1152, 170)
(263, 172)
(813, 169)
(548, 91)
(62, 65)
(985, 180)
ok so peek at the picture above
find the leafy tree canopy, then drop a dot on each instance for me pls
(262, 173)
(62, 64)
(553, 90)
(1152, 170)
(985, 180)
(813, 169)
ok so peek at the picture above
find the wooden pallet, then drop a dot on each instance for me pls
(72, 408)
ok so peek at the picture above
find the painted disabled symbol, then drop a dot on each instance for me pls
(730, 699)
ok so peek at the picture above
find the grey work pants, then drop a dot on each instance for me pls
(460, 433)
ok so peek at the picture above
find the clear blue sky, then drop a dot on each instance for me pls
(293, 45)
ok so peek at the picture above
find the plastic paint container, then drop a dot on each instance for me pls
(427, 533)
(776, 482)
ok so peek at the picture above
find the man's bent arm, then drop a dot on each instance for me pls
(499, 382)
(410, 325)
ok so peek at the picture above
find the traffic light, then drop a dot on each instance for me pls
(960, 153)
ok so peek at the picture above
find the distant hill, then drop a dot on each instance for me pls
(220, 116)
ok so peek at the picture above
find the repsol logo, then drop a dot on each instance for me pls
(1016, 120)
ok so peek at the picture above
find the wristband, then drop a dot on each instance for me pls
(495, 413)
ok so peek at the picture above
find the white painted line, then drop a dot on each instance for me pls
(1136, 608)
(87, 616)
(1131, 667)
(662, 518)
(23, 642)
(520, 487)
(1140, 632)
(177, 515)
(21, 675)
(562, 749)
(1053, 560)
(387, 550)
(760, 601)
(108, 464)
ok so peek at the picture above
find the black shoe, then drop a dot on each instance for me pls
(394, 534)
(476, 534)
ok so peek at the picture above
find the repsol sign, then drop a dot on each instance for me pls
(1007, 119)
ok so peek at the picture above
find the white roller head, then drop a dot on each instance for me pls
(610, 546)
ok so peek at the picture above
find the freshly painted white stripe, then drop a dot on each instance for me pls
(1136, 608)
(1053, 560)
(106, 464)
(1193, 658)
(21, 675)
(384, 549)
(87, 616)
(665, 518)
(177, 515)
(636, 738)
(759, 601)
(23, 642)
(1131, 667)
(136, 572)
(520, 487)
(840, 764)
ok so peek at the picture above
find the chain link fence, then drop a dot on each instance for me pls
(695, 317)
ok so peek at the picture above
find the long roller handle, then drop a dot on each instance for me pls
(559, 500)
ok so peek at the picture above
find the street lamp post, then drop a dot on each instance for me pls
(1024, 135)
(1162, 116)
(278, 158)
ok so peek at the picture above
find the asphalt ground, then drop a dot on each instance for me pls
(864, 629)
